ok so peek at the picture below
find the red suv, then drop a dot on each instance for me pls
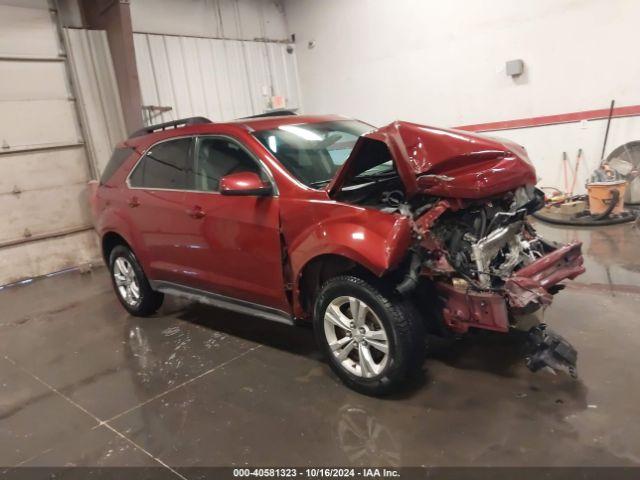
(377, 236)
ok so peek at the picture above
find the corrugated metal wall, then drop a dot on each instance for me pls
(43, 163)
(99, 101)
(227, 19)
(216, 78)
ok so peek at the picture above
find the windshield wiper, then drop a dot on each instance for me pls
(369, 177)
(377, 175)
(319, 183)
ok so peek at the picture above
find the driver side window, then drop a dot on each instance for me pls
(218, 157)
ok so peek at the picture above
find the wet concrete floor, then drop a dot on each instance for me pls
(83, 383)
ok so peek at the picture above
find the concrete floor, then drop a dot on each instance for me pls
(83, 383)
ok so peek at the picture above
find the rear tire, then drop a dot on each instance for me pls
(131, 285)
(372, 338)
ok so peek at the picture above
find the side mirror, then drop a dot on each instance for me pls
(244, 183)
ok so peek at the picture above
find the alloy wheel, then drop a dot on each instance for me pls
(356, 336)
(126, 281)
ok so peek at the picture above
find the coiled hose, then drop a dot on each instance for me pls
(593, 220)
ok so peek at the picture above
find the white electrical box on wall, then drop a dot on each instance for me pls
(515, 67)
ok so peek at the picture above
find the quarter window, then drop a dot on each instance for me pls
(165, 165)
(218, 157)
(115, 162)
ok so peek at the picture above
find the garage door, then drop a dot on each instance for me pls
(43, 162)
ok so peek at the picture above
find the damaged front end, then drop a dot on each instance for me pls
(467, 197)
(493, 271)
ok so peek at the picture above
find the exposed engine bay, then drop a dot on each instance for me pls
(485, 243)
(489, 265)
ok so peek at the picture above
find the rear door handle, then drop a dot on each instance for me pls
(196, 212)
(134, 202)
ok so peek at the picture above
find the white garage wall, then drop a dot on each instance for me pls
(442, 63)
(43, 163)
(546, 144)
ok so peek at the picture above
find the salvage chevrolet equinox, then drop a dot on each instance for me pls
(376, 236)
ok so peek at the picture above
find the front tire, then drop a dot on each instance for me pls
(372, 339)
(131, 285)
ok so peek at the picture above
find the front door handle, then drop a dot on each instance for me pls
(134, 202)
(196, 212)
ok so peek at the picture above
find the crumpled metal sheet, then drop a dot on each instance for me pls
(523, 291)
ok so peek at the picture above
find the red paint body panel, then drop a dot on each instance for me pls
(479, 166)
(241, 181)
(565, 262)
(464, 309)
(234, 248)
(161, 231)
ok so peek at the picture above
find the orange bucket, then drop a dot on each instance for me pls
(600, 196)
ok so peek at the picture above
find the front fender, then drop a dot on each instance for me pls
(375, 240)
(378, 245)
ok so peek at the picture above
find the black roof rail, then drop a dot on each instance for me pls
(272, 113)
(175, 124)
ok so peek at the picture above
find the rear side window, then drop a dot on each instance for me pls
(165, 165)
(115, 162)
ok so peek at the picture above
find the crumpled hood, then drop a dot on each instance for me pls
(441, 162)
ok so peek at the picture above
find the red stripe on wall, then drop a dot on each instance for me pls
(630, 111)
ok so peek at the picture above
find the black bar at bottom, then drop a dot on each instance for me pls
(326, 472)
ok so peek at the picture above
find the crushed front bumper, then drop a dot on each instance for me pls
(527, 289)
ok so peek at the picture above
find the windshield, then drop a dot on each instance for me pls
(313, 152)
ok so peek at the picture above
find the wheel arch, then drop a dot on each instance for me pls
(368, 242)
(111, 240)
(321, 268)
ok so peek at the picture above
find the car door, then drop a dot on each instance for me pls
(159, 219)
(236, 249)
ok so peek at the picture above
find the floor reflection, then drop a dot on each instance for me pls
(611, 256)
(365, 440)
